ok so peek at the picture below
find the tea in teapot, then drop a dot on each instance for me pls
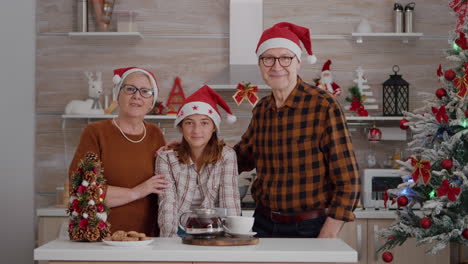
(202, 222)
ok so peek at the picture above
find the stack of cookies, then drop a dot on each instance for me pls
(127, 236)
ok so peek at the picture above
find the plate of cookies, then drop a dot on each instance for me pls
(127, 239)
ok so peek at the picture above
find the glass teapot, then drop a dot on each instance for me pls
(202, 222)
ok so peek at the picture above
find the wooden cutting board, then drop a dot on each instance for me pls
(220, 241)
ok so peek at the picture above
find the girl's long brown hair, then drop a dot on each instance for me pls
(211, 154)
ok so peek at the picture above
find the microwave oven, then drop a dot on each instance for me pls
(374, 184)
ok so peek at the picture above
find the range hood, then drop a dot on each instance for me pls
(245, 28)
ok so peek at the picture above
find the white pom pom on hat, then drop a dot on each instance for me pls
(287, 35)
(204, 101)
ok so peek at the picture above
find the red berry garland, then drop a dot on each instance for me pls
(387, 257)
(403, 124)
(449, 75)
(402, 201)
(425, 222)
(441, 93)
(465, 233)
(447, 164)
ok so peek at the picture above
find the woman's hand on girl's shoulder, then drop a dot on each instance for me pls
(168, 146)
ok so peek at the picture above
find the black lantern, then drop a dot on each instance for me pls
(395, 94)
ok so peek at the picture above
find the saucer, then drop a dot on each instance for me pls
(248, 234)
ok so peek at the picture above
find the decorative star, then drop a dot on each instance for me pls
(181, 113)
(195, 107)
(210, 111)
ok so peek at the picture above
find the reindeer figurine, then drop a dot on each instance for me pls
(92, 105)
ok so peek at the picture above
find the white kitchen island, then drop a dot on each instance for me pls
(163, 250)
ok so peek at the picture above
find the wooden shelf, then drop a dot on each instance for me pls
(373, 118)
(105, 35)
(404, 37)
(156, 117)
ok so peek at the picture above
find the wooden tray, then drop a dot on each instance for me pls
(220, 241)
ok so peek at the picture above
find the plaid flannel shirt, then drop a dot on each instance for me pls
(303, 154)
(219, 187)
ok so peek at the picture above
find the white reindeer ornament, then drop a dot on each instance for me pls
(92, 105)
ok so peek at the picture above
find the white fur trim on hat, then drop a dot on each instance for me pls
(279, 43)
(116, 90)
(202, 109)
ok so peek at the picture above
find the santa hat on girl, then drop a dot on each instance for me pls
(286, 35)
(122, 73)
(204, 102)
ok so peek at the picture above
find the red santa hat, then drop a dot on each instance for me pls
(204, 101)
(286, 35)
(326, 66)
(122, 73)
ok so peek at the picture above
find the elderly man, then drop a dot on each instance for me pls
(307, 176)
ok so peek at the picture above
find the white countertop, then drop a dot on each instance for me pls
(172, 249)
(360, 213)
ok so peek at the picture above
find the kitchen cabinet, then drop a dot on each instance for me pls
(355, 235)
(49, 228)
(408, 253)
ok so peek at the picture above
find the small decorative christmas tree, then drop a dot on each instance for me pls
(176, 97)
(366, 99)
(87, 211)
(356, 101)
(437, 172)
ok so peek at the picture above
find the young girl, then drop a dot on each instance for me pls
(201, 170)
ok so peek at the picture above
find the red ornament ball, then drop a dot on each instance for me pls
(402, 201)
(447, 164)
(387, 257)
(425, 222)
(403, 125)
(449, 75)
(465, 233)
(466, 113)
(441, 93)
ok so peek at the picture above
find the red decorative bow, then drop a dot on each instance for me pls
(358, 107)
(440, 73)
(460, 7)
(461, 41)
(441, 114)
(421, 168)
(451, 192)
(246, 91)
(462, 83)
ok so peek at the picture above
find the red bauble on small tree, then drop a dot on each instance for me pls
(441, 93)
(425, 222)
(447, 164)
(465, 233)
(402, 201)
(387, 257)
(449, 75)
(403, 124)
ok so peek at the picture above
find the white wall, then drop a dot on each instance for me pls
(17, 73)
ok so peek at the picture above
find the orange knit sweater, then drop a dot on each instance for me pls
(125, 164)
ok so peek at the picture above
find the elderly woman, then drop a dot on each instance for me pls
(201, 170)
(127, 145)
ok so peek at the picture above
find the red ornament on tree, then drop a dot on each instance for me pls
(425, 222)
(403, 124)
(465, 233)
(449, 75)
(402, 201)
(387, 257)
(375, 135)
(441, 93)
(447, 164)
(466, 113)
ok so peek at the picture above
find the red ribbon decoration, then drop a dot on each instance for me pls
(441, 114)
(460, 7)
(358, 107)
(462, 83)
(461, 41)
(422, 168)
(451, 192)
(247, 92)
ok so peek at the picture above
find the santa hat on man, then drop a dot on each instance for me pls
(122, 73)
(286, 35)
(204, 102)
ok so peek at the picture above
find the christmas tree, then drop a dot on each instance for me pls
(435, 176)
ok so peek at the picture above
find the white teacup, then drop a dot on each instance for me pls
(239, 224)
